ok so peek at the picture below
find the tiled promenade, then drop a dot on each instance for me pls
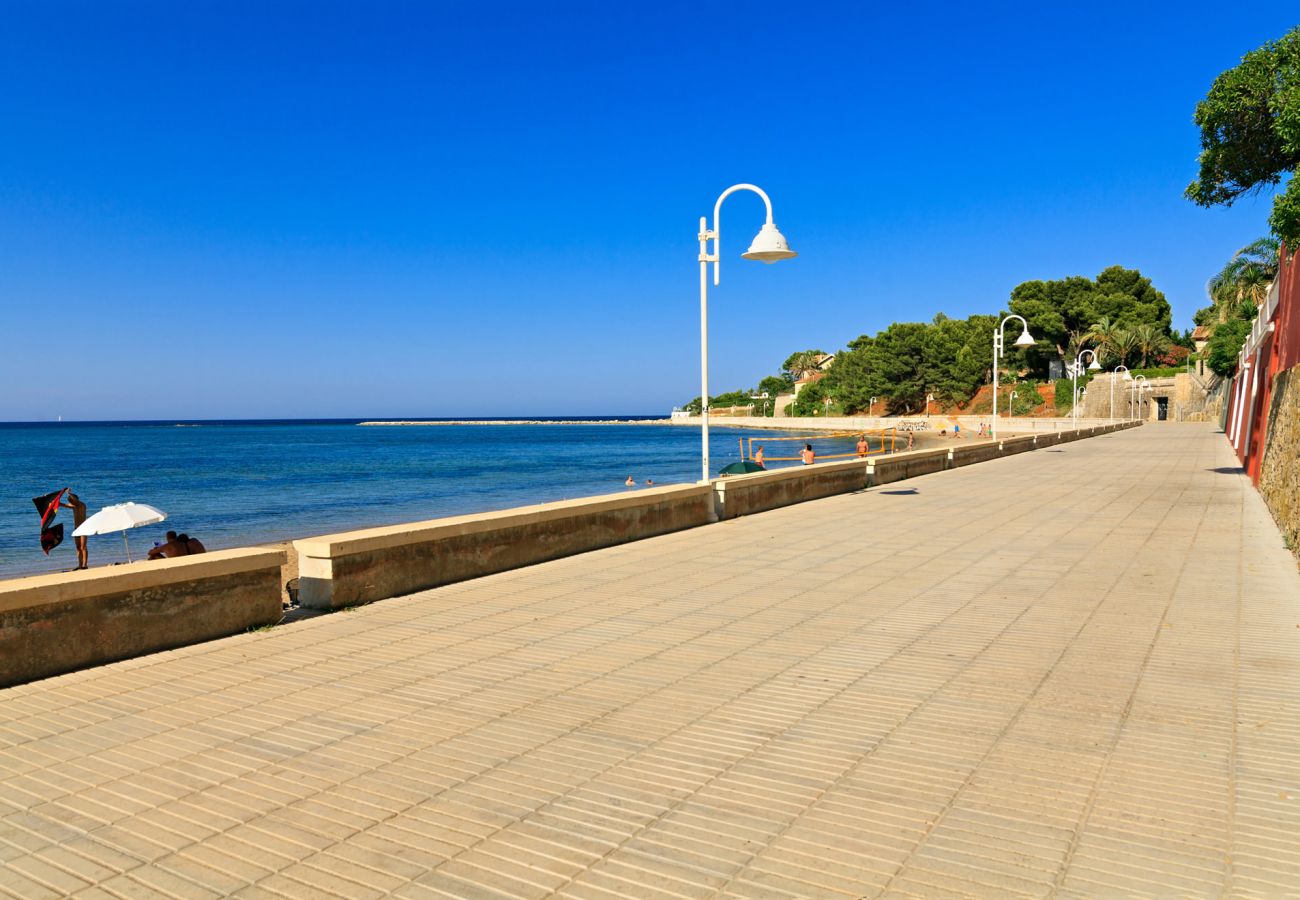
(1072, 673)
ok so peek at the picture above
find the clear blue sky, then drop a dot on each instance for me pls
(439, 209)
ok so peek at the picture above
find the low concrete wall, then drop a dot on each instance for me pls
(741, 495)
(887, 469)
(57, 623)
(363, 566)
(1015, 445)
(963, 454)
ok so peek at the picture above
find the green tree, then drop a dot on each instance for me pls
(1149, 341)
(1225, 345)
(1250, 134)
(1061, 314)
(774, 385)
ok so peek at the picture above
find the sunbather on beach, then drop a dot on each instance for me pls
(173, 547)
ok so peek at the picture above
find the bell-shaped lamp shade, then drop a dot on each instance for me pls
(769, 246)
(1025, 340)
(1127, 376)
(1094, 365)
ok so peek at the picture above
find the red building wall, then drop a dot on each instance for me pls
(1252, 389)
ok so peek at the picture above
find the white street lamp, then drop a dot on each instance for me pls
(1074, 375)
(768, 246)
(1011, 413)
(999, 337)
(1114, 375)
(1135, 408)
(928, 398)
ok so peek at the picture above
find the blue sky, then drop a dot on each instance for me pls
(229, 209)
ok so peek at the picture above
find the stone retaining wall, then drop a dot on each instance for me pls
(51, 624)
(1279, 473)
(746, 494)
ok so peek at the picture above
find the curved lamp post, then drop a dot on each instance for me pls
(1135, 398)
(1011, 413)
(768, 246)
(1078, 365)
(1113, 376)
(999, 337)
(928, 399)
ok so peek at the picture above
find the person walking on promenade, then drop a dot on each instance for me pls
(758, 457)
(863, 446)
(79, 516)
(807, 455)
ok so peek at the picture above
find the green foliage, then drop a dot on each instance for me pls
(1250, 134)
(730, 398)
(1159, 371)
(799, 364)
(1064, 395)
(1242, 284)
(1027, 399)
(774, 385)
(812, 400)
(1229, 337)
(949, 358)
(1063, 314)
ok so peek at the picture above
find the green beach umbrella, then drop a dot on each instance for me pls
(744, 467)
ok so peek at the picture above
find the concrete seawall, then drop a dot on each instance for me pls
(57, 623)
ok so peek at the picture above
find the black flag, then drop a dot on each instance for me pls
(48, 507)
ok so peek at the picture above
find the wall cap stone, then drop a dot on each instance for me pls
(366, 540)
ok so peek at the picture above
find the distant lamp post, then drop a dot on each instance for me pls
(762, 407)
(1113, 376)
(1078, 367)
(871, 408)
(828, 406)
(1135, 397)
(928, 399)
(768, 246)
(1011, 413)
(999, 338)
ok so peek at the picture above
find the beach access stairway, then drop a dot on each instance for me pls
(58, 623)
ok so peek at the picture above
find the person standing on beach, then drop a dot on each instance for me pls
(79, 516)
(911, 439)
(807, 455)
(863, 446)
(758, 457)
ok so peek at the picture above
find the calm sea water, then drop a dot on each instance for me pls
(233, 484)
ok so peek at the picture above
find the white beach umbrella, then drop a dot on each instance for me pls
(120, 517)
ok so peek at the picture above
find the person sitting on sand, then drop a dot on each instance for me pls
(173, 547)
(807, 455)
(191, 545)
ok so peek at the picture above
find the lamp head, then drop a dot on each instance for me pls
(1094, 365)
(769, 246)
(1025, 339)
(1128, 377)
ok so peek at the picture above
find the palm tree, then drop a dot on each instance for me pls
(1246, 277)
(1149, 340)
(1124, 343)
(1103, 333)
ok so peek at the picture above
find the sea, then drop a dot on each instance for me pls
(240, 483)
